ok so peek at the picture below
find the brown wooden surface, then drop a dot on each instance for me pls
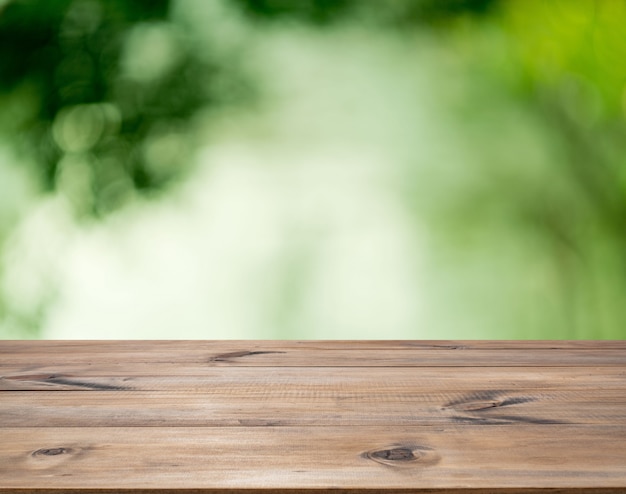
(319, 416)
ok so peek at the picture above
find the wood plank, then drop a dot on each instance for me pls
(319, 396)
(265, 459)
(303, 379)
(32, 347)
(312, 407)
(168, 362)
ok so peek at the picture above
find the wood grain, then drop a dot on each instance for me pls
(275, 457)
(187, 358)
(253, 380)
(312, 417)
(151, 409)
(31, 347)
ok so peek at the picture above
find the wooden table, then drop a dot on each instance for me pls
(313, 416)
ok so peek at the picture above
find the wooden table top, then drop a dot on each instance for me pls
(313, 416)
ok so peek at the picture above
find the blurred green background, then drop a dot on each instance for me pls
(313, 169)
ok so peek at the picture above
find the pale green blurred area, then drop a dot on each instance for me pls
(459, 179)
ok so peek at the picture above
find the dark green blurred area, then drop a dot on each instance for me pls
(72, 92)
(393, 13)
(104, 100)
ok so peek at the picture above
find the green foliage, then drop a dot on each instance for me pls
(103, 93)
(571, 70)
(106, 101)
(542, 108)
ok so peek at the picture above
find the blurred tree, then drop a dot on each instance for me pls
(103, 94)
(572, 71)
(558, 66)
(100, 104)
(541, 105)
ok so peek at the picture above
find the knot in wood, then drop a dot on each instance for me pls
(404, 455)
(51, 451)
(395, 454)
